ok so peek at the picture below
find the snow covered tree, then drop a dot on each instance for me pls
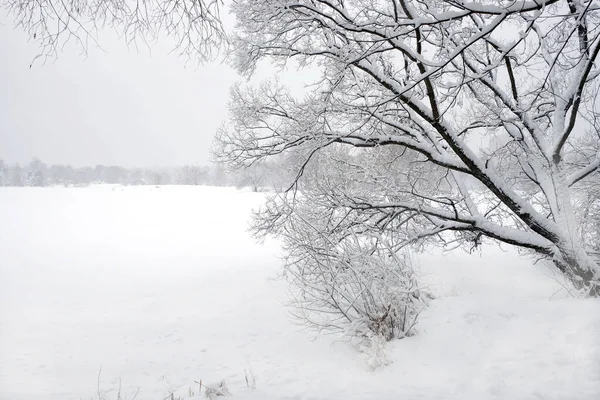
(155, 177)
(498, 95)
(496, 99)
(16, 176)
(35, 173)
(252, 177)
(218, 175)
(110, 174)
(3, 171)
(60, 175)
(192, 175)
(136, 177)
(84, 176)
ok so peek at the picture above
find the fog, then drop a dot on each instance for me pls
(114, 105)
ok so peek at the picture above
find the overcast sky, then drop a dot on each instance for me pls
(116, 107)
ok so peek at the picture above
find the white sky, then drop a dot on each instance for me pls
(118, 107)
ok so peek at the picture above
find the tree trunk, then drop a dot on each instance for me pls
(580, 268)
(581, 273)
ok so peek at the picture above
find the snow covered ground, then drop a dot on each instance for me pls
(161, 287)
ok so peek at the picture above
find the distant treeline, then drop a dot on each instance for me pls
(37, 173)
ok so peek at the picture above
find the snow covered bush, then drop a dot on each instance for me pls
(346, 273)
(353, 287)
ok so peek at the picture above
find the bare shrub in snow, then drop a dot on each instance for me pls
(346, 274)
(353, 287)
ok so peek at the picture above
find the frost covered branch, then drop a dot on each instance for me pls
(195, 25)
(486, 103)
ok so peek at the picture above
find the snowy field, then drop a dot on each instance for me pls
(161, 287)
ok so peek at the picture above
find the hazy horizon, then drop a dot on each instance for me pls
(113, 106)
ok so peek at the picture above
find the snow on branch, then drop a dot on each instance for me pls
(484, 98)
(195, 25)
